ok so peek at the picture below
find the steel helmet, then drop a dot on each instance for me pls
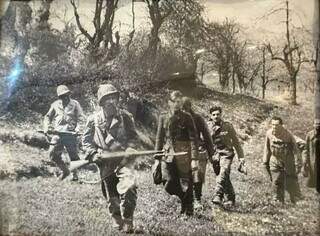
(174, 95)
(62, 89)
(106, 90)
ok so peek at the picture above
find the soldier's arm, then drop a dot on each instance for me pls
(266, 151)
(207, 138)
(80, 116)
(48, 118)
(236, 143)
(87, 137)
(297, 154)
(267, 156)
(307, 150)
(306, 156)
(160, 134)
(192, 131)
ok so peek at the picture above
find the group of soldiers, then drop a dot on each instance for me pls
(180, 129)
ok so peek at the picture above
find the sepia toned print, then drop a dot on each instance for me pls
(159, 117)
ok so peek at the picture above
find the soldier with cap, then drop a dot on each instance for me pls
(206, 149)
(108, 130)
(176, 133)
(282, 161)
(311, 162)
(225, 141)
(66, 113)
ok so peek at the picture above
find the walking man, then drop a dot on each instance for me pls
(225, 141)
(176, 133)
(66, 113)
(108, 130)
(206, 149)
(282, 161)
(311, 162)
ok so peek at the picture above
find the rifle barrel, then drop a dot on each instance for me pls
(105, 156)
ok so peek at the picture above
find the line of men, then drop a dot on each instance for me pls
(180, 129)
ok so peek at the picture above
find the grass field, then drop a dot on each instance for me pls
(45, 206)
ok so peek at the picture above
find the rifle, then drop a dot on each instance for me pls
(243, 168)
(55, 132)
(113, 155)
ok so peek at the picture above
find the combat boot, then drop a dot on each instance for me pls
(229, 203)
(189, 209)
(64, 174)
(75, 176)
(117, 222)
(183, 208)
(128, 226)
(217, 200)
(197, 205)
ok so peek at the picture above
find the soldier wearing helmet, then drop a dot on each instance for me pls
(206, 149)
(176, 132)
(112, 129)
(66, 113)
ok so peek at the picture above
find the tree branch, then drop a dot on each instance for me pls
(82, 30)
(273, 57)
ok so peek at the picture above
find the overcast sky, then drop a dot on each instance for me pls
(245, 12)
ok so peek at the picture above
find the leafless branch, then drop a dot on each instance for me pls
(82, 30)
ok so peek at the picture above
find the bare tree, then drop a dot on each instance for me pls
(222, 43)
(183, 28)
(103, 22)
(158, 12)
(43, 14)
(292, 57)
(266, 69)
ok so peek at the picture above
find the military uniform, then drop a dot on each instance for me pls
(225, 141)
(310, 161)
(176, 132)
(66, 118)
(279, 155)
(205, 148)
(117, 175)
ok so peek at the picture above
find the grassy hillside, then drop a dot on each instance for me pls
(43, 205)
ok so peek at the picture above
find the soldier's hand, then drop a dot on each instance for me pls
(45, 130)
(305, 170)
(215, 158)
(96, 158)
(268, 171)
(298, 170)
(242, 166)
(90, 155)
(115, 146)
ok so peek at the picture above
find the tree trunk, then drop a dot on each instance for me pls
(263, 91)
(154, 40)
(264, 84)
(233, 82)
(293, 90)
(43, 15)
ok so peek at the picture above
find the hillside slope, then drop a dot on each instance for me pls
(45, 206)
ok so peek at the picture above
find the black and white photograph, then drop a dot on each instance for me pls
(159, 117)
